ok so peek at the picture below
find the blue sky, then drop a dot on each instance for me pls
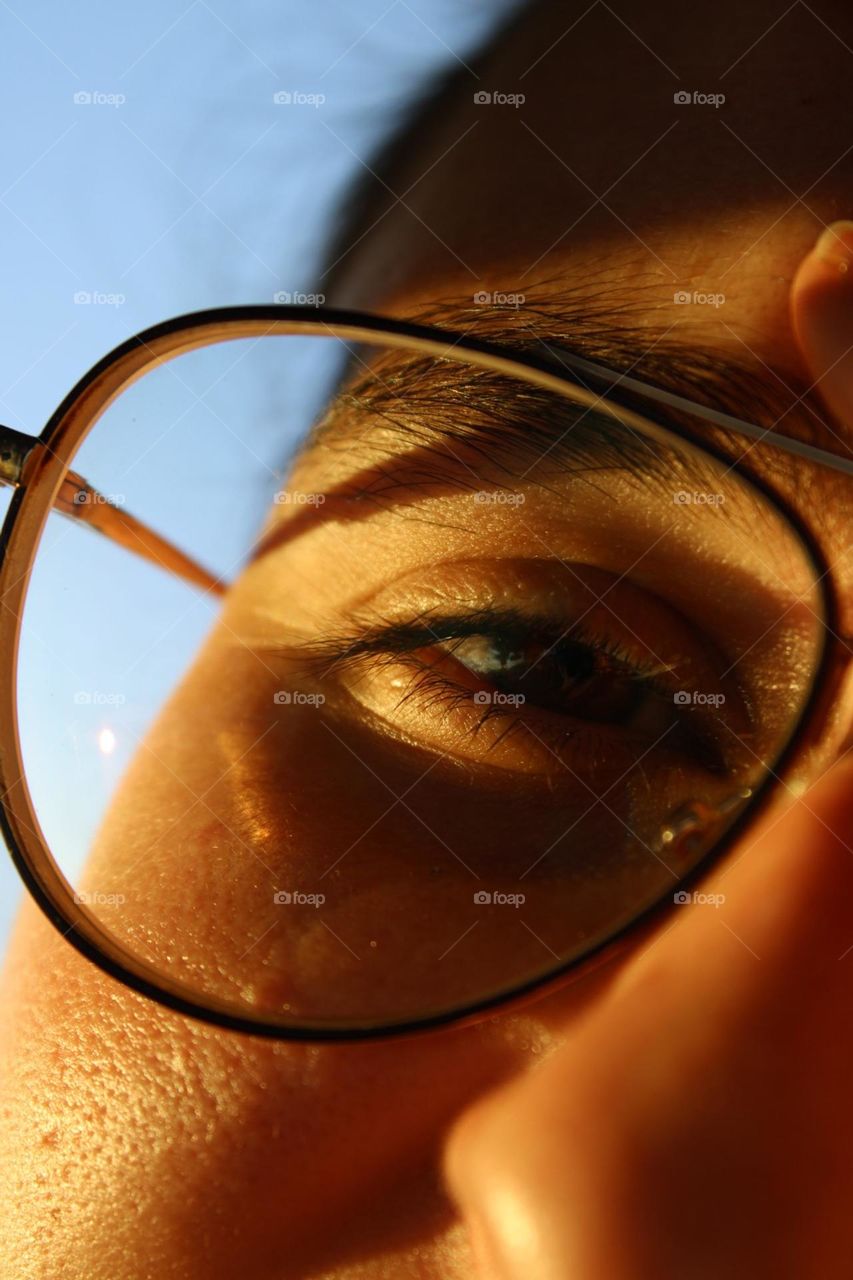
(148, 169)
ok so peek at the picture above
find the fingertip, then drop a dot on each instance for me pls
(834, 247)
(821, 305)
(824, 278)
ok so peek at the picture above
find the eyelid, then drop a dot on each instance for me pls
(548, 595)
(553, 595)
(434, 631)
(546, 733)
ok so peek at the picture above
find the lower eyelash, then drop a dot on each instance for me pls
(395, 646)
(583, 747)
(431, 691)
(377, 643)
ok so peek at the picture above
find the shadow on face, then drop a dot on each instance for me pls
(139, 1143)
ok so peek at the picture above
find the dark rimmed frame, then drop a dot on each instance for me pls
(38, 467)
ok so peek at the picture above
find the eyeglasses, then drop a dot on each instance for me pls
(506, 668)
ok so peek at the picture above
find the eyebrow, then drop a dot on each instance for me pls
(449, 421)
(825, 457)
(423, 403)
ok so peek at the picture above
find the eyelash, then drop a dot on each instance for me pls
(385, 636)
(396, 644)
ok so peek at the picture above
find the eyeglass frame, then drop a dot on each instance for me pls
(39, 466)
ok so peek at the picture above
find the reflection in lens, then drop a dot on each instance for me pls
(493, 674)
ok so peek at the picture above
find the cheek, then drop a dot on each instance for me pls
(132, 1133)
(286, 860)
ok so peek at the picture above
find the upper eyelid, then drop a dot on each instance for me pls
(380, 635)
(400, 639)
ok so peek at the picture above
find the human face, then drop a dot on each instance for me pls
(137, 1142)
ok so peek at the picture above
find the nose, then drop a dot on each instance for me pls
(697, 1120)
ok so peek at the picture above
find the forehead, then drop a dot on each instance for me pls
(602, 183)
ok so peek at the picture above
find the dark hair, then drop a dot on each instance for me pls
(369, 195)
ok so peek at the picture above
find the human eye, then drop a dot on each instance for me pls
(551, 682)
(523, 692)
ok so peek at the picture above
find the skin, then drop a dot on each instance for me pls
(681, 1110)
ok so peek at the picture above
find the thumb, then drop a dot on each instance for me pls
(822, 317)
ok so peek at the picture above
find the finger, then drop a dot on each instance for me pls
(698, 1122)
(822, 317)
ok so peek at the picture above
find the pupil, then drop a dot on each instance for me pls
(537, 670)
(577, 660)
(567, 677)
(541, 671)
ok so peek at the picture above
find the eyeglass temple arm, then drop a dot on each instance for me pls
(788, 443)
(80, 501)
